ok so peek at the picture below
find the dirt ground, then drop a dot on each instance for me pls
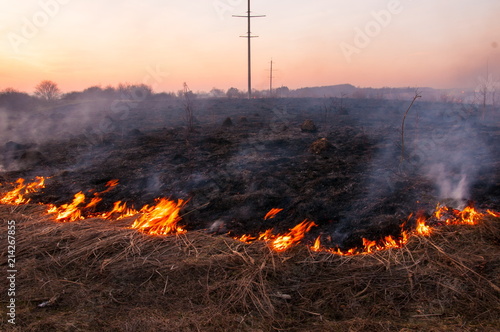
(352, 172)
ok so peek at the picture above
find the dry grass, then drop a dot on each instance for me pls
(99, 275)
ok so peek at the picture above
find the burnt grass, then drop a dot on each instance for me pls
(240, 159)
(244, 157)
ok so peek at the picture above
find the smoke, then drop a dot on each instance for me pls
(451, 152)
(450, 185)
(27, 126)
(24, 131)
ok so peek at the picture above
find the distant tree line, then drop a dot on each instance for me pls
(14, 99)
(48, 92)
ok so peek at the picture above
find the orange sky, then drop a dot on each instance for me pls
(78, 44)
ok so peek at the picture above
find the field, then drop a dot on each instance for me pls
(355, 170)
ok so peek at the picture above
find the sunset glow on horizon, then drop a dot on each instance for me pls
(396, 43)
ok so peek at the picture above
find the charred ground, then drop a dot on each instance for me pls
(347, 174)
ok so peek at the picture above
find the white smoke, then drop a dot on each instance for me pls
(453, 154)
(450, 185)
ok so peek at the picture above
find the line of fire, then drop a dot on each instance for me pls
(164, 218)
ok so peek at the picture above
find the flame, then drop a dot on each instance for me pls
(281, 242)
(272, 213)
(388, 242)
(265, 236)
(285, 241)
(119, 211)
(74, 211)
(247, 238)
(93, 202)
(422, 228)
(110, 184)
(469, 215)
(68, 212)
(317, 244)
(163, 218)
(439, 210)
(493, 213)
(160, 219)
(368, 246)
(17, 196)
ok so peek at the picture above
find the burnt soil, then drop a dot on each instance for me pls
(244, 157)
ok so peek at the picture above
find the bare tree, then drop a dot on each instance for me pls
(217, 93)
(47, 90)
(233, 93)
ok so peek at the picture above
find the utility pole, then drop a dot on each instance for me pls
(249, 36)
(271, 80)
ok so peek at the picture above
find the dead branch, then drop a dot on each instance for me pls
(417, 95)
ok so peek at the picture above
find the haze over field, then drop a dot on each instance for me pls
(378, 43)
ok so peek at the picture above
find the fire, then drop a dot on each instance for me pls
(368, 246)
(17, 196)
(163, 218)
(439, 210)
(469, 215)
(160, 219)
(285, 241)
(69, 212)
(76, 210)
(119, 211)
(422, 228)
(493, 213)
(272, 213)
(110, 184)
(247, 238)
(281, 242)
(265, 236)
(317, 244)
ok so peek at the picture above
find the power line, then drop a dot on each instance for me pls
(248, 16)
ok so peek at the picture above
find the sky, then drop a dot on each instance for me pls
(369, 43)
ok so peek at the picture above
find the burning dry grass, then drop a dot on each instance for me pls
(101, 275)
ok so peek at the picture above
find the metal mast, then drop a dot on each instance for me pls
(249, 36)
(271, 80)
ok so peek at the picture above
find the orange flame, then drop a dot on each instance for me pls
(317, 244)
(272, 213)
(493, 213)
(247, 238)
(469, 215)
(68, 212)
(119, 211)
(284, 241)
(422, 228)
(160, 219)
(439, 210)
(110, 184)
(74, 211)
(17, 196)
(368, 246)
